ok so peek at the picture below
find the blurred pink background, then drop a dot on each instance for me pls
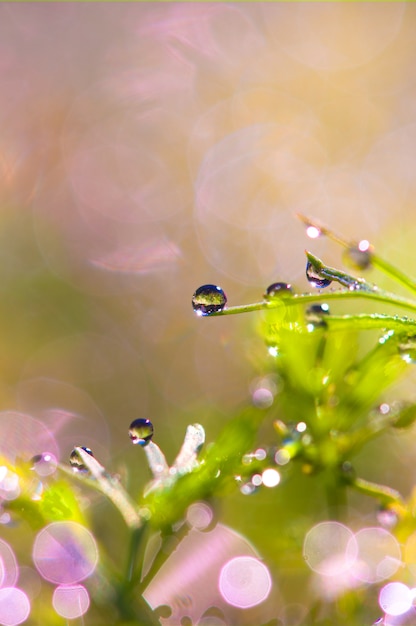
(146, 149)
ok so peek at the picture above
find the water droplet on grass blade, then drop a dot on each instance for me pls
(314, 278)
(75, 460)
(407, 349)
(387, 518)
(316, 313)
(278, 290)
(141, 431)
(208, 299)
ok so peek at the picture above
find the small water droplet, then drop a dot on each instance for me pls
(278, 290)
(347, 472)
(315, 316)
(318, 309)
(44, 464)
(407, 349)
(141, 431)
(359, 256)
(208, 299)
(314, 278)
(75, 460)
(387, 518)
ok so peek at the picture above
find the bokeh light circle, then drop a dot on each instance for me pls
(395, 598)
(71, 601)
(378, 557)
(270, 477)
(23, 436)
(65, 552)
(9, 570)
(244, 582)
(199, 515)
(328, 548)
(14, 606)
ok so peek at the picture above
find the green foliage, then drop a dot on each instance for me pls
(329, 406)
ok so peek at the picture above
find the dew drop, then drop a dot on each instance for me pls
(208, 299)
(314, 278)
(44, 464)
(359, 256)
(318, 309)
(315, 315)
(348, 473)
(387, 518)
(75, 460)
(141, 431)
(407, 349)
(278, 290)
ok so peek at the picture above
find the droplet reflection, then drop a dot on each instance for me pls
(208, 299)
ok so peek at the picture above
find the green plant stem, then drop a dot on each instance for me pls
(306, 298)
(356, 288)
(386, 495)
(387, 268)
(336, 495)
(163, 553)
(107, 485)
(394, 273)
(136, 551)
(371, 321)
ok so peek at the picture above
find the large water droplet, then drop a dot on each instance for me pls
(208, 299)
(278, 290)
(359, 256)
(314, 278)
(75, 460)
(141, 431)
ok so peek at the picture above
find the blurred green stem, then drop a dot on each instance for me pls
(386, 495)
(336, 494)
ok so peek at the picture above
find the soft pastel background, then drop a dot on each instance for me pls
(146, 149)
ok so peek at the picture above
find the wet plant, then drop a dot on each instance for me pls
(321, 398)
